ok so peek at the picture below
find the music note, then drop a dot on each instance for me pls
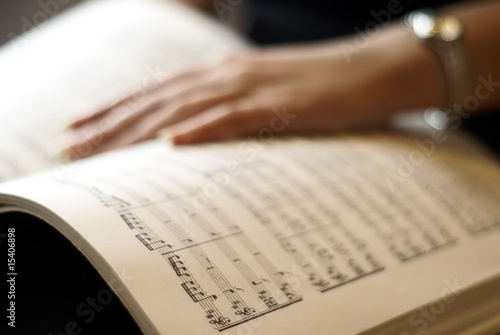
(247, 311)
(150, 243)
(195, 292)
(115, 203)
(178, 266)
(221, 321)
(131, 220)
(255, 276)
(289, 247)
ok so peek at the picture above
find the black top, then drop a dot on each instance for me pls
(285, 21)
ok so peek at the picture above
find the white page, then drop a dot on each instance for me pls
(292, 237)
(88, 57)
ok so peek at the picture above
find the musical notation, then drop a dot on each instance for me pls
(478, 214)
(327, 252)
(308, 209)
(252, 288)
(397, 218)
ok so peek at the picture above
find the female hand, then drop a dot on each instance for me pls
(331, 87)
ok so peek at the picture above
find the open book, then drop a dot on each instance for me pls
(374, 233)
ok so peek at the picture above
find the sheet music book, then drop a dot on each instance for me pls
(366, 233)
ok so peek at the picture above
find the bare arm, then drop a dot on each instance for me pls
(332, 86)
(203, 5)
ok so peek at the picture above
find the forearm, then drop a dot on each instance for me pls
(417, 78)
(344, 84)
(203, 5)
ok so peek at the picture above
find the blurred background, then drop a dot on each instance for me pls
(17, 16)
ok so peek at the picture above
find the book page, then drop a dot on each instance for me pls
(297, 235)
(88, 57)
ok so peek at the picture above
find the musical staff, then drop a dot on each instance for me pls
(407, 231)
(328, 253)
(328, 226)
(227, 298)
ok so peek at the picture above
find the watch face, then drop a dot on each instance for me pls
(450, 28)
(427, 26)
(424, 25)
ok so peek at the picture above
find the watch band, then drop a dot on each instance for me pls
(444, 35)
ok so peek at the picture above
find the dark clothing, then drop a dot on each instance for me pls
(278, 21)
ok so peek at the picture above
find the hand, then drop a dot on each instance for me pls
(301, 89)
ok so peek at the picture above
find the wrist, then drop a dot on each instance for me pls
(415, 78)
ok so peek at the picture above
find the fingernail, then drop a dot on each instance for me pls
(68, 126)
(65, 155)
(165, 135)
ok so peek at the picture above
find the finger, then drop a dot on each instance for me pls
(135, 96)
(221, 122)
(144, 123)
(86, 118)
(184, 106)
(94, 139)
